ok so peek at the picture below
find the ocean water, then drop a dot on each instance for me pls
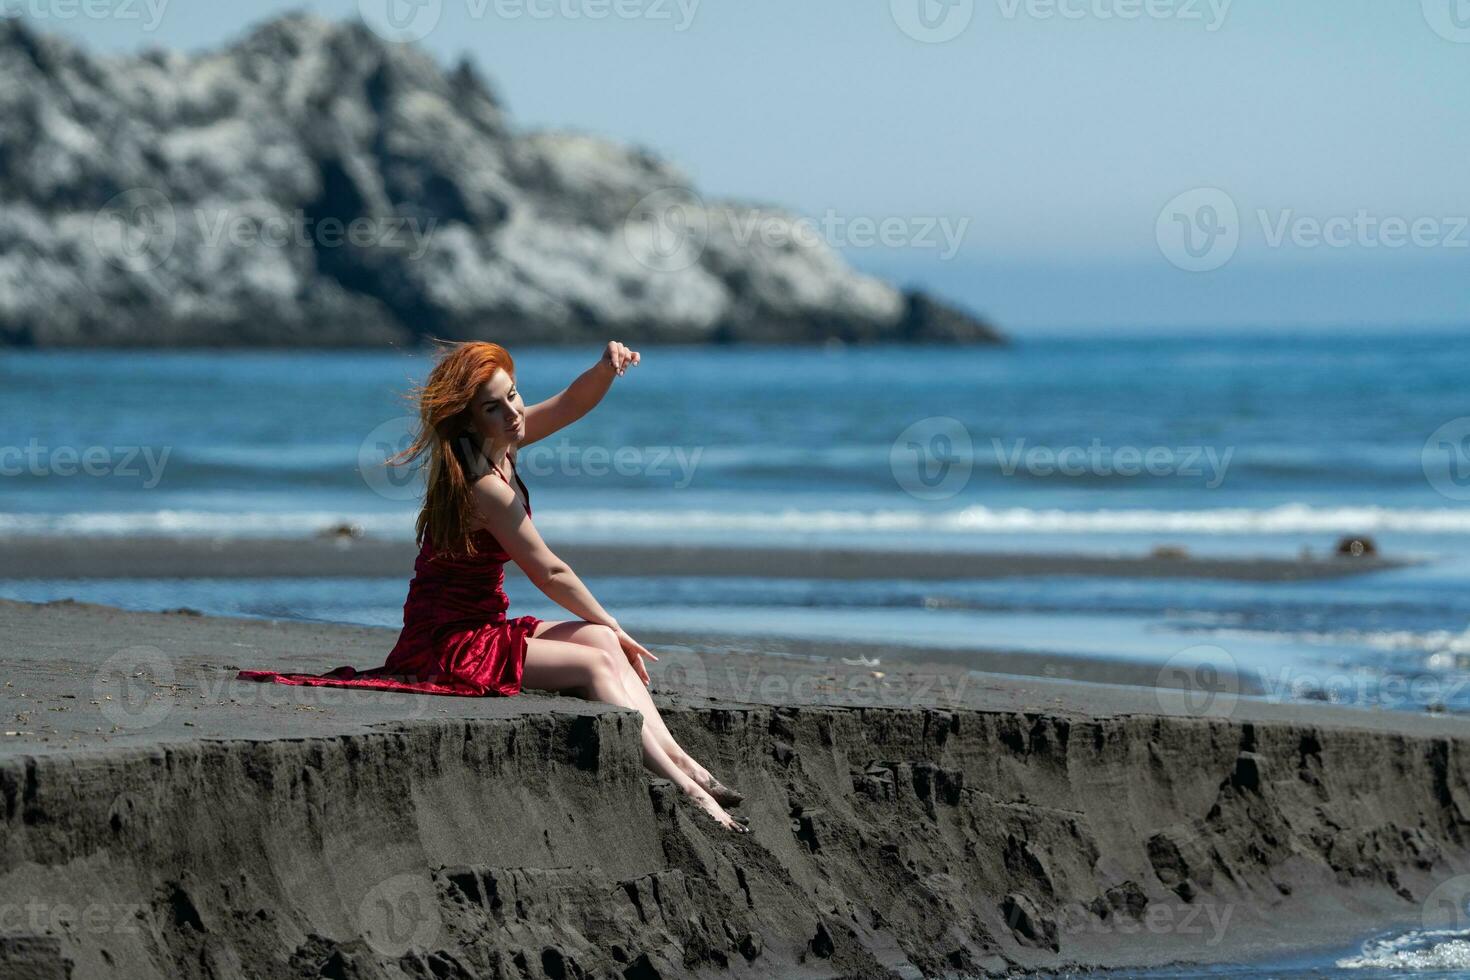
(1424, 954)
(1247, 446)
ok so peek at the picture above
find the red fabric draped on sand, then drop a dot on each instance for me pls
(375, 680)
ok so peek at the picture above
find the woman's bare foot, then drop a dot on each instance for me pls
(707, 803)
(724, 795)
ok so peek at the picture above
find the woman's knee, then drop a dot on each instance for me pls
(597, 635)
(602, 667)
(558, 665)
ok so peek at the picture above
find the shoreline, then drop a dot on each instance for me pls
(906, 825)
(64, 557)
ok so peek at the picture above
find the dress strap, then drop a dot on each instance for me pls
(525, 494)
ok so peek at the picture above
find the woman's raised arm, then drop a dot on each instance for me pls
(579, 397)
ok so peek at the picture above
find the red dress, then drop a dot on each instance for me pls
(455, 639)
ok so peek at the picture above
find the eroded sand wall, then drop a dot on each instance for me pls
(886, 842)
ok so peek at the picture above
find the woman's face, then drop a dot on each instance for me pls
(497, 413)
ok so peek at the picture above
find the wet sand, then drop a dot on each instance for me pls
(331, 557)
(908, 819)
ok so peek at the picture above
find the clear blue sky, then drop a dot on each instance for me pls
(1058, 129)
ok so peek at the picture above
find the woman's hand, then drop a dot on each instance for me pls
(635, 652)
(619, 357)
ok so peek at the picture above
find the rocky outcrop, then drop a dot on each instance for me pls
(316, 185)
(886, 843)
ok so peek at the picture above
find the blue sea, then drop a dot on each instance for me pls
(1247, 446)
(1255, 445)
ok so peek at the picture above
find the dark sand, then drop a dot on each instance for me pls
(163, 819)
(127, 557)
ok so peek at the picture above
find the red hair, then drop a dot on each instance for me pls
(448, 515)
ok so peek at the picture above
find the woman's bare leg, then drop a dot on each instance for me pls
(591, 634)
(593, 673)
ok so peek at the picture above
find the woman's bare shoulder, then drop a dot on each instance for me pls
(490, 493)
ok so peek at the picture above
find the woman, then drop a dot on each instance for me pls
(456, 638)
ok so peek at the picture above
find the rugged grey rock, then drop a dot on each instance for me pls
(313, 184)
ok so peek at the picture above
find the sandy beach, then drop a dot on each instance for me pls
(86, 556)
(911, 820)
